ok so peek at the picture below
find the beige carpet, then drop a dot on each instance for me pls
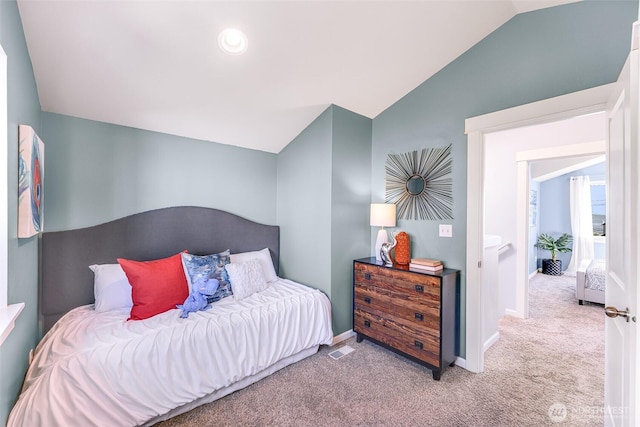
(554, 358)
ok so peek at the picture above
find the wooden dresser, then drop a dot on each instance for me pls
(408, 311)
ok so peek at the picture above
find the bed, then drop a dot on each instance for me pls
(96, 368)
(590, 281)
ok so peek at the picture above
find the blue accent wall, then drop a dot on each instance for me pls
(534, 56)
(555, 209)
(23, 108)
(554, 213)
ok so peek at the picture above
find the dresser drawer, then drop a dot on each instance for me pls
(399, 284)
(410, 340)
(413, 314)
(368, 298)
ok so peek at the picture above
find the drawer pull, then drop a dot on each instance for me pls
(419, 288)
(367, 324)
(367, 300)
(419, 316)
(367, 276)
(418, 344)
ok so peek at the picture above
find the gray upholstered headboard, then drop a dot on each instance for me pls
(66, 281)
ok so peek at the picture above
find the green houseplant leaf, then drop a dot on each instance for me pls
(560, 245)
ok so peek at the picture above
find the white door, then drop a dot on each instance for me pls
(623, 221)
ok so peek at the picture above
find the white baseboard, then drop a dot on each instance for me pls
(342, 337)
(509, 312)
(533, 274)
(461, 362)
(491, 341)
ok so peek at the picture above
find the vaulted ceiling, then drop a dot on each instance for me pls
(156, 65)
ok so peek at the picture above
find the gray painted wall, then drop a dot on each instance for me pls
(323, 206)
(555, 210)
(23, 108)
(97, 172)
(534, 56)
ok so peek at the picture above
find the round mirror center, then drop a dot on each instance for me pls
(415, 185)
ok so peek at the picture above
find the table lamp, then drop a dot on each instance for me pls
(382, 215)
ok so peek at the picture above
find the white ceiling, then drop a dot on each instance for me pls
(156, 65)
(544, 170)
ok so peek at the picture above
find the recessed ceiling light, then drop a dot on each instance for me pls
(233, 41)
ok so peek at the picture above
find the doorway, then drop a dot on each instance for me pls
(509, 159)
(549, 111)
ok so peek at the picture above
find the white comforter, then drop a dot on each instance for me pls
(98, 369)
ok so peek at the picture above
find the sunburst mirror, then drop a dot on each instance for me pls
(420, 183)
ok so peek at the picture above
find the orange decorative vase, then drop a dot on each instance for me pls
(403, 248)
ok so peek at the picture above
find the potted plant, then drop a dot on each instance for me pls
(562, 244)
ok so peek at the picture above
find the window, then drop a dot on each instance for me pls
(599, 207)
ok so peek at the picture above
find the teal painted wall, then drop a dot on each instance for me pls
(323, 206)
(23, 108)
(304, 205)
(350, 200)
(534, 56)
(97, 172)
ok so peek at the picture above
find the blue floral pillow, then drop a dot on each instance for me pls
(211, 266)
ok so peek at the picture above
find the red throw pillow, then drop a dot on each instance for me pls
(156, 286)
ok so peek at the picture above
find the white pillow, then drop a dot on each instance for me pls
(264, 256)
(111, 287)
(246, 278)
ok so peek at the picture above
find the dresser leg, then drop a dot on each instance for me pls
(359, 337)
(436, 375)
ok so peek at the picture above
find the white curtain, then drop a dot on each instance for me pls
(581, 222)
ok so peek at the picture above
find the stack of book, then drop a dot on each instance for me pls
(424, 264)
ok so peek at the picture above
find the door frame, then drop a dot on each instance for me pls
(549, 110)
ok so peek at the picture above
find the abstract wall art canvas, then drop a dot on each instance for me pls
(31, 172)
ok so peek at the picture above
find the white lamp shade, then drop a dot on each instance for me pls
(383, 215)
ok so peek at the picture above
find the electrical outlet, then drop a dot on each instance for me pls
(446, 230)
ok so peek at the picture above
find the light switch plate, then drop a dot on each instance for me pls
(446, 230)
